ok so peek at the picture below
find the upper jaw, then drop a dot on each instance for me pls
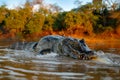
(90, 52)
(92, 55)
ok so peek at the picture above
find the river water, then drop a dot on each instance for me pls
(25, 65)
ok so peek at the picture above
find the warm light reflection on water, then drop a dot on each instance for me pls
(24, 65)
(106, 46)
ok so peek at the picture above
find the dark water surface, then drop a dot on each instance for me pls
(25, 65)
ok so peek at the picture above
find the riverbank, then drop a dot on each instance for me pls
(94, 38)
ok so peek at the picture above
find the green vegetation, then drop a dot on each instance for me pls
(90, 19)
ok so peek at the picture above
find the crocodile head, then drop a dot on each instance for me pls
(78, 49)
(87, 53)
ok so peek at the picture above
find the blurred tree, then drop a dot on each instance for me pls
(48, 23)
(96, 2)
(54, 8)
(116, 16)
(112, 4)
(35, 24)
(78, 3)
(14, 21)
(37, 1)
(59, 21)
(72, 19)
(26, 15)
(3, 14)
(99, 16)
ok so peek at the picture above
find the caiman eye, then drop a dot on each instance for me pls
(82, 42)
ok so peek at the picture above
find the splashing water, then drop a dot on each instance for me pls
(26, 65)
(101, 57)
(105, 58)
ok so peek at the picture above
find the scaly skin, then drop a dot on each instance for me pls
(64, 46)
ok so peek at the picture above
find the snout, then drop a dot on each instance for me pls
(89, 55)
(90, 52)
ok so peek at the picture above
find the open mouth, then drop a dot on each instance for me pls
(87, 56)
(93, 57)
